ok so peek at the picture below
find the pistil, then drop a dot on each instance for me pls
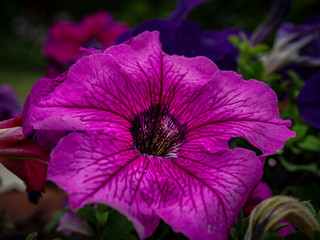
(157, 132)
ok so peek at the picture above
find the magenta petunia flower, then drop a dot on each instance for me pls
(97, 30)
(149, 136)
(23, 157)
(10, 105)
(260, 193)
(308, 101)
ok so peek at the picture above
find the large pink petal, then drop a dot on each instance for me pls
(198, 193)
(95, 96)
(54, 127)
(214, 187)
(215, 105)
(229, 107)
(103, 92)
(160, 74)
(97, 168)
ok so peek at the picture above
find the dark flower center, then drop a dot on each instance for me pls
(157, 132)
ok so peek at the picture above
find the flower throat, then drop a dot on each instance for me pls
(157, 132)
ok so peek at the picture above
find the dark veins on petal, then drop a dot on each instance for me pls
(157, 132)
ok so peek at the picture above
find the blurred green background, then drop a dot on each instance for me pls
(24, 25)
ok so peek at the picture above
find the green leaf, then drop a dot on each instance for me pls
(278, 227)
(233, 234)
(54, 221)
(296, 236)
(261, 48)
(291, 112)
(272, 236)
(234, 40)
(129, 237)
(272, 80)
(238, 231)
(256, 70)
(32, 236)
(295, 150)
(300, 130)
(308, 205)
(245, 49)
(240, 224)
(292, 167)
(89, 214)
(102, 216)
(316, 234)
(298, 83)
(245, 225)
(310, 143)
(118, 227)
(305, 192)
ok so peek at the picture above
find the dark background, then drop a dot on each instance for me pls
(24, 25)
(23, 29)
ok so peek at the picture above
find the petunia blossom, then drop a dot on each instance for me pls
(296, 48)
(96, 30)
(308, 101)
(260, 193)
(71, 223)
(148, 135)
(181, 36)
(9, 103)
(21, 156)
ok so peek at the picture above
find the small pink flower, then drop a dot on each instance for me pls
(97, 30)
(23, 157)
(260, 193)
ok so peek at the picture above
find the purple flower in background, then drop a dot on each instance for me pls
(97, 30)
(308, 101)
(150, 136)
(216, 46)
(260, 193)
(71, 223)
(185, 37)
(183, 8)
(9, 103)
(296, 48)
